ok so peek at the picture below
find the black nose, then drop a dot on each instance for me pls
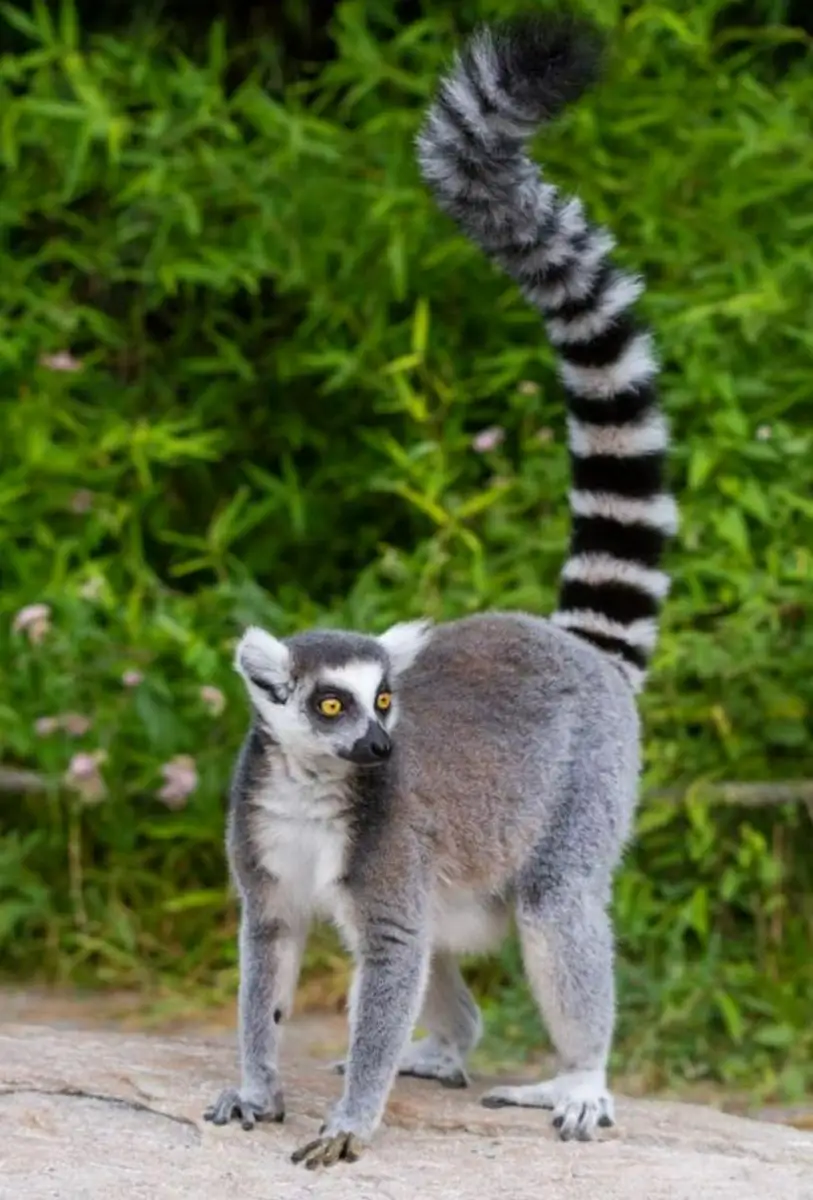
(381, 747)
(374, 747)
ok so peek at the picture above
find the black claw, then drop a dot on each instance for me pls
(303, 1151)
(605, 1121)
(558, 1122)
(457, 1080)
(276, 1116)
(494, 1102)
(242, 1111)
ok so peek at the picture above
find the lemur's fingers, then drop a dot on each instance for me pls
(230, 1105)
(325, 1151)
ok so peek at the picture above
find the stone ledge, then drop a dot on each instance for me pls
(87, 1115)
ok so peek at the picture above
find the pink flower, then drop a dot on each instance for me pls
(83, 765)
(488, 439)
(180, 780)
(132, 678)
(214, 699)
(83, 776)
(81, 501)
(63, 360)
(76, 724)
(34, 620)
(45, 726)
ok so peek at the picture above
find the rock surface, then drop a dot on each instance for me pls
(88, 1115)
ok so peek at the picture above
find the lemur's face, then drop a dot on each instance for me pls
(346, 712)
(327, 695)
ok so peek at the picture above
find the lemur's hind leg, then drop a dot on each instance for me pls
(453, 1024)
(567, 948)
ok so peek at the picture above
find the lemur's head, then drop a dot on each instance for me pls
(329, 694)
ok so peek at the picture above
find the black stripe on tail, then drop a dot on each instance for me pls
(507, 80)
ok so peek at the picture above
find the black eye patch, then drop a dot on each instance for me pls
(324, 699)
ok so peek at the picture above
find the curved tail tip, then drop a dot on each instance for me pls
(543, 62)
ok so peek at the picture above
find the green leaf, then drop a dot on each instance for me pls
(209, 898)
(729, 1011)
(21, 22)
(68, 24)
(420, 329)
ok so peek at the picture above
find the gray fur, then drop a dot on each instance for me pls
(511, 789)
(450, 1012)
(501, 780)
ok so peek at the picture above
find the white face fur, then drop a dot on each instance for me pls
(330, 715)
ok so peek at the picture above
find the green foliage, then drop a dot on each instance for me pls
(243, 362)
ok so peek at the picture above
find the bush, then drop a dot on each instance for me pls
(245, 359)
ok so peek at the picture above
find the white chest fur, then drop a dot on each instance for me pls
(301, 836)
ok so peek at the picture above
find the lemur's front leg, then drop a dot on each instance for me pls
(270, 954)
(391, 969)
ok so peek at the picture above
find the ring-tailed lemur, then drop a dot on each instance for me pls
(421, 786)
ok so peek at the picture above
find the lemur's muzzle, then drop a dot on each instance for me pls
(373, 748)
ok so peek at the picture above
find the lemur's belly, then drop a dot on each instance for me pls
(467, 922)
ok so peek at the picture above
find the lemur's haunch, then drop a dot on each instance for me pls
(419, 787)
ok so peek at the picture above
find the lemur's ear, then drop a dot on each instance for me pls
(264, 662)
(403, 643)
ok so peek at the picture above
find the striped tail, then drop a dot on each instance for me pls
(507, 80)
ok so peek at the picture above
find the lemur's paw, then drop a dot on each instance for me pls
(232, 1105)
(427, 1059)
(580, 1102)
(329, 1149)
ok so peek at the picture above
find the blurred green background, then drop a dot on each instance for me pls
(244, 363)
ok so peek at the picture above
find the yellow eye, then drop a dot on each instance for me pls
(330, 706)
(383, 701)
